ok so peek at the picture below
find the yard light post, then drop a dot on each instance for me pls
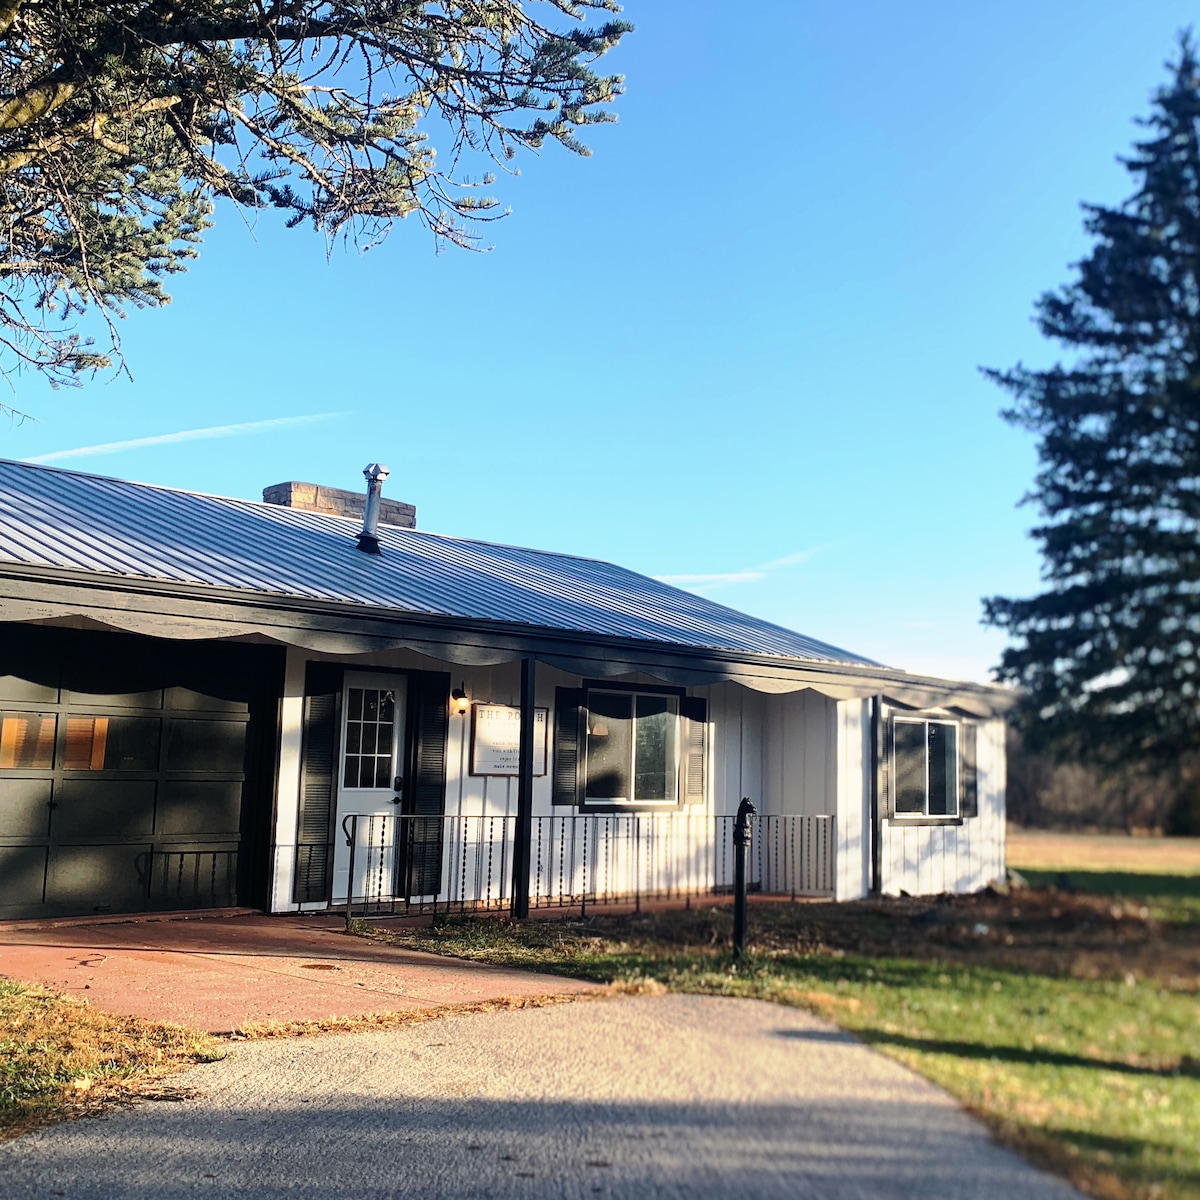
(741, 860)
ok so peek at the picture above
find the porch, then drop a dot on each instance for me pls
(406, 865)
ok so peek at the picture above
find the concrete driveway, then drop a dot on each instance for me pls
(670, 1096)
(219, 973)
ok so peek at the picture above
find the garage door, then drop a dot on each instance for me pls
(131, 772)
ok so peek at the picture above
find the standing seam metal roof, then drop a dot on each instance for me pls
(55, 518)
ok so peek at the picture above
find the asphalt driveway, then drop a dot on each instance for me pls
(668, 1096)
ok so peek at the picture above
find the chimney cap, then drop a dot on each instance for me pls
(373, 471)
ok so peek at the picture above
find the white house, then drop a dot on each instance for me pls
(208, 702)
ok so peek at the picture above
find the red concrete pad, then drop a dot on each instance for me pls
(220, 973)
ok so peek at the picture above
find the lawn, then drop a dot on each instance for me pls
(1067, 1018)
(60, 1057)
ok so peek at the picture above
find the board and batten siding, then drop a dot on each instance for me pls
(800, 754)
(925, 860)
(853, 833)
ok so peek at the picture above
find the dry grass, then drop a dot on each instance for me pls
(59, 1058)
(1035, 850)
(367, 1022)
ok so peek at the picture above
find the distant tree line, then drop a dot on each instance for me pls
(1045, 792)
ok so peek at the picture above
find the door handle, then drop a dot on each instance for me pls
(395, 799)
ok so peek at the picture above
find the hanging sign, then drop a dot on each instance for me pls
(496, 739)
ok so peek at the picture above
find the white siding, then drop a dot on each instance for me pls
(287, 795)
(925, 860)
(853, 864)
(801, 754)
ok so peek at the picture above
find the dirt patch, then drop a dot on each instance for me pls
(1045, 930)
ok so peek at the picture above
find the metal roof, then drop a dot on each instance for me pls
(64, 519)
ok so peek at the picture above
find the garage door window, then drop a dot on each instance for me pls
(111, 744)
(27, 741)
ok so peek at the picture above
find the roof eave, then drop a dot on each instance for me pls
(517, 637)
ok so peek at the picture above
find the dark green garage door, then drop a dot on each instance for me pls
(132, 772)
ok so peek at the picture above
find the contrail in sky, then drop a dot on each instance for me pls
(184, 435)
(750, 575)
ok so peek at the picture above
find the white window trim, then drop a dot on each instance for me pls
(630, 802)
(925, 817)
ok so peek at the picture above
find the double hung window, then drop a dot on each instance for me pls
(925, 759)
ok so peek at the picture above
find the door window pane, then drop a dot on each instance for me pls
(27, 741)
(654, 749)
(609, 746)
(909, 740)
(370, 738)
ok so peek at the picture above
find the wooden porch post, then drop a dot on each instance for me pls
(523, 840)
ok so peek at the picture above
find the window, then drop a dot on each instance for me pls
(112, 744)
(925, 760)
(632, 752)
(27, 741)
(370, 737)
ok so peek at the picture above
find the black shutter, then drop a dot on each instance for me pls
(425, 795)
(693, 712)
(318, 759)
(970, 772)
(568, 746)
(886, 726)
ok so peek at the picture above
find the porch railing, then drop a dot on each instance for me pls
(396, 865)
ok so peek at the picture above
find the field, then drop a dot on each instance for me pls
(1066, 1015)
(1035, 850)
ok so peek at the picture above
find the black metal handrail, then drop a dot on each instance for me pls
(397, 864)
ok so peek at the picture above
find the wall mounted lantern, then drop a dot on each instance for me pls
(460, 702)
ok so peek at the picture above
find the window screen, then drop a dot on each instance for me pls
(910, 766)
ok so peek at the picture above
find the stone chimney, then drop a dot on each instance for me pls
(312, 497)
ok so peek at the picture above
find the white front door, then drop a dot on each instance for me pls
(370, 782)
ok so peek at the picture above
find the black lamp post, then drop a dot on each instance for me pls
(741, 860)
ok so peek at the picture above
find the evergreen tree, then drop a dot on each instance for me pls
(1109, 654)
(121, 120)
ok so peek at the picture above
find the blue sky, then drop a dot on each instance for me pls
(737, 347)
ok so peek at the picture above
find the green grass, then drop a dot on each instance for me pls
(1174, 897)
(1097, 1077)
(60, 1057)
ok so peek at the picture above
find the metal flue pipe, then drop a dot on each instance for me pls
(368, 540)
